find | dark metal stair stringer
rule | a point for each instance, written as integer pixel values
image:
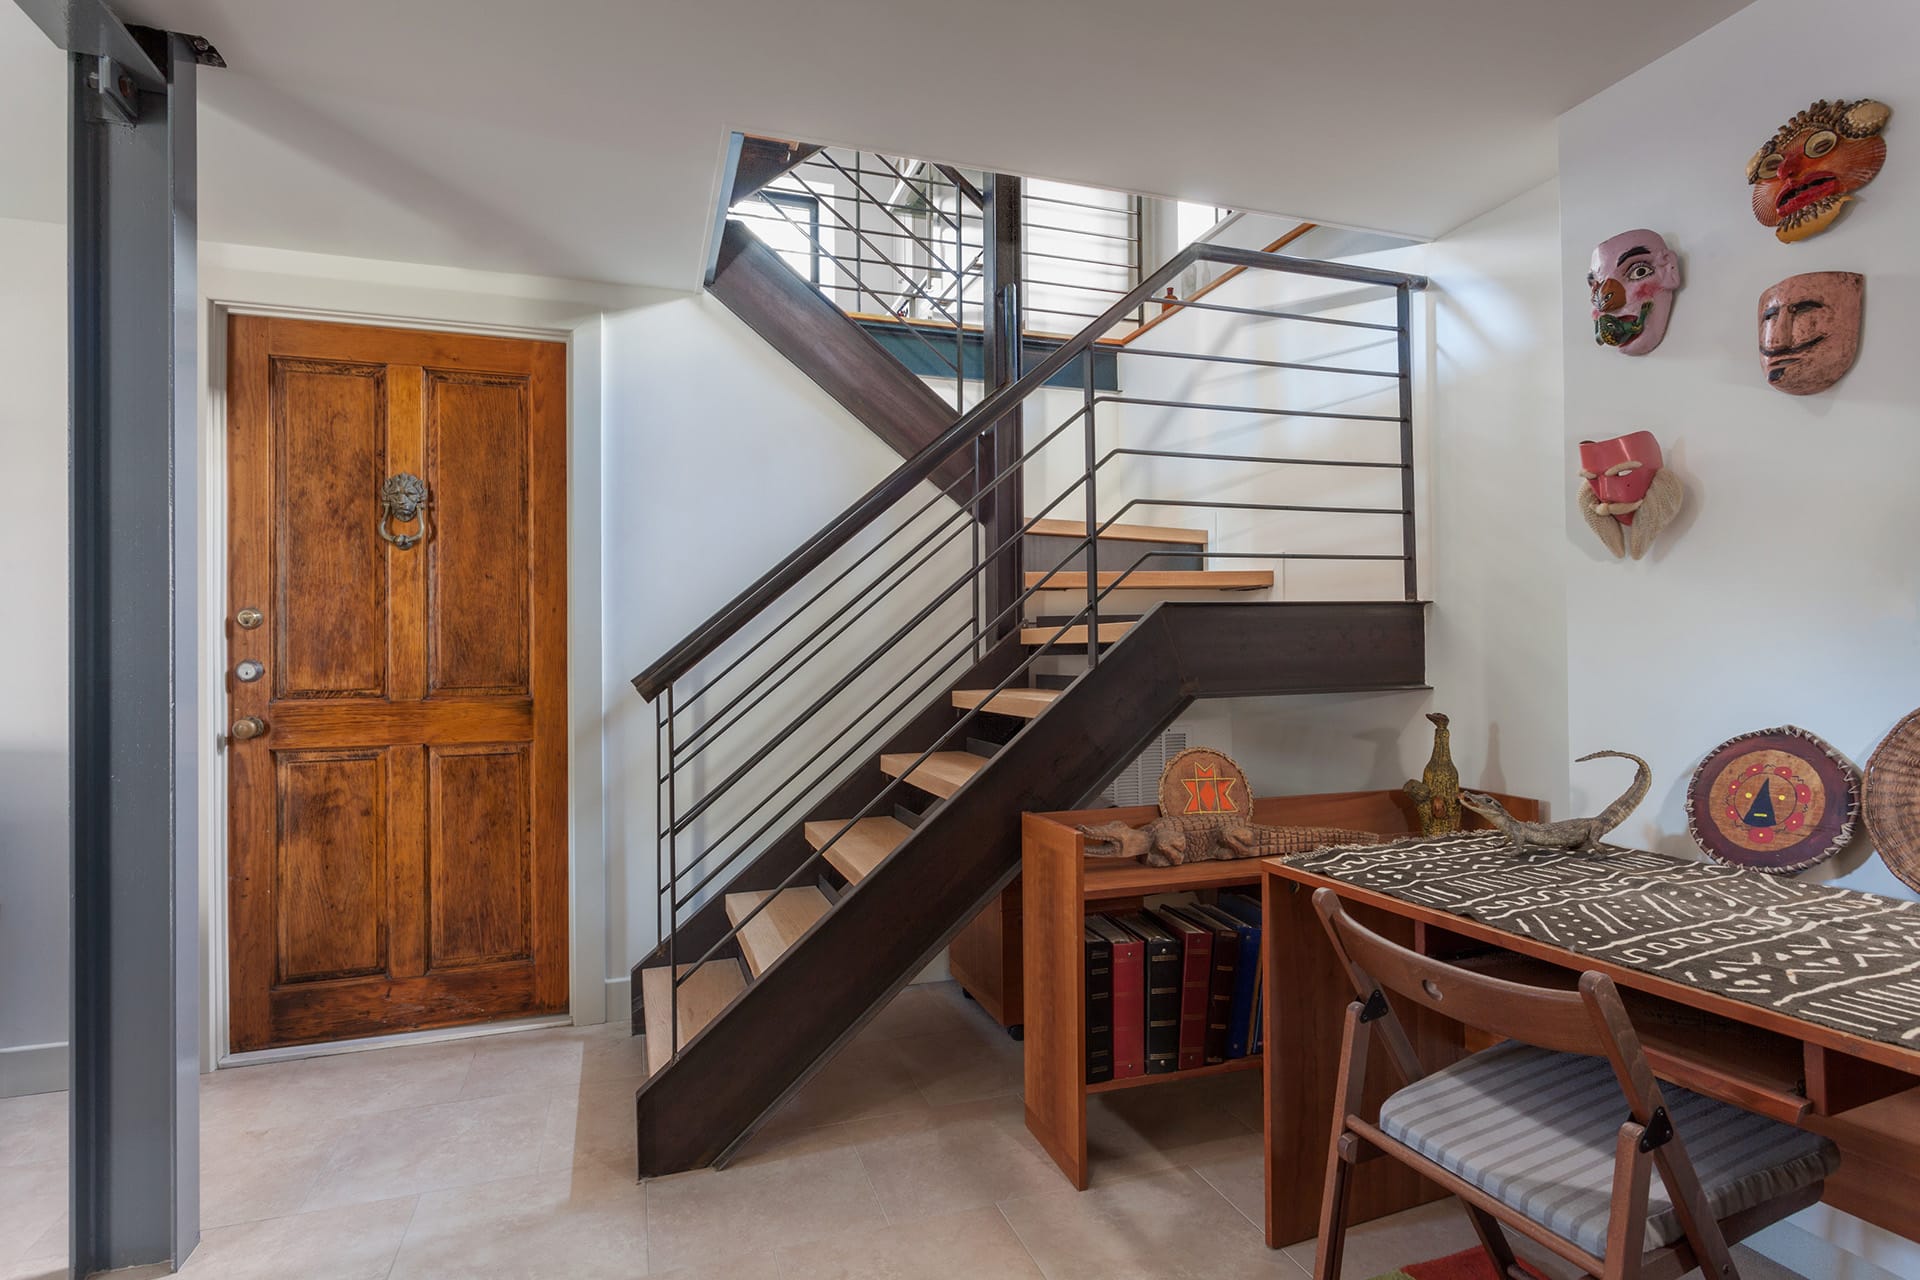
(787, 1023)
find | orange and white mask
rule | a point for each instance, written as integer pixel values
(1627, 495)
(1808, 171)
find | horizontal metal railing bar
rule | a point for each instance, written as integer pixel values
(1127, 209)
(1175, 304)
(1250, 457)
(1128, 236)
(1247, 408)
(864, 510)
(815, 161)
(1068, 257)
(1263, 364)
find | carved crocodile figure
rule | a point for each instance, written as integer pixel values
(1581, 834)
(1177, 839)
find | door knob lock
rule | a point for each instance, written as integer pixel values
(249, 618)
(247, 727)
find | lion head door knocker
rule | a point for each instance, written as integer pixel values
(1631, 278)
(1626, 492)
(401, 498)
(1808, 171)
(1810, 330)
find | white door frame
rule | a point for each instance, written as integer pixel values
(586, 845)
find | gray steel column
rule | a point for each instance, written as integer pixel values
(131, 244)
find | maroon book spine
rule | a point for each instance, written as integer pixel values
(1129, 1008)
(1196, 989)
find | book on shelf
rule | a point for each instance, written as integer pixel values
(1246, 908)
(1099, 1006)
(1246, 976)
(1163, 954)
(1196, 983)
(1225, 963)
(1129, 957)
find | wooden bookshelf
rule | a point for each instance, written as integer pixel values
(1061, 886)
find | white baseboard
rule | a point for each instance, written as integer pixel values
(33, 1068)
(619, 999)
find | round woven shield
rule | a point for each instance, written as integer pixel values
(1202, 780)
(1893, 799)
(1778, 800)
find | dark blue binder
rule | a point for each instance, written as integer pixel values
(1246, 976)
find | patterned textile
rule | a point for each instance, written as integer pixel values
(1837, 957)
(1536, 1129)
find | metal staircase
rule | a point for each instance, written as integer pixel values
(1000, 626)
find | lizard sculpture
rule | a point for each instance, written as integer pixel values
(1210, 837)
(1581, 834)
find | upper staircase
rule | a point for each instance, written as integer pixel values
(1000, 626)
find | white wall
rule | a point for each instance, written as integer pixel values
(1788, 592)
(1486, 412)
(33, 658)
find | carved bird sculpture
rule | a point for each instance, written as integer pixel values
(1437, 789)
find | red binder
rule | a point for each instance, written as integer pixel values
(1129, 997)
(1196, 985)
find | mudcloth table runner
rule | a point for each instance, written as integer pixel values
(1838, 957)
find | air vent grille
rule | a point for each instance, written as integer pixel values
(1139, 782)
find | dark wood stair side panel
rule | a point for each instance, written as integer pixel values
(764, 159)
(873, 942)
(860, 784)
(889, 925)
(1245, 650)
(845, 361)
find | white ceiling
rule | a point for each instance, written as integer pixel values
(583, 138)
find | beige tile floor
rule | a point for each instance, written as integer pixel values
(512, 1156)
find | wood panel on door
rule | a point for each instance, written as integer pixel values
(398, 844)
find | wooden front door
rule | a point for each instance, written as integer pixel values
(398, 848)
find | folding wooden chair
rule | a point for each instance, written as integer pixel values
(1557, 1132)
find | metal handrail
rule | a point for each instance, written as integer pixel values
(814, 552)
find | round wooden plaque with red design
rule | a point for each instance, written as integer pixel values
(1202, 780)
(1778, 800)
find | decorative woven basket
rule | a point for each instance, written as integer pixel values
(1893, 799)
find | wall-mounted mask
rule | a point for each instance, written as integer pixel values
(1626, 493)
(1631, 279)
(1810, 168)
(1810, 330)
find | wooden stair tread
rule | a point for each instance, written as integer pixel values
(702, 997)
(1109, 632)
(1161, 580)
(778, 926)
(1121, 532)
(940, 774)
(1025, 703)
(860, 850)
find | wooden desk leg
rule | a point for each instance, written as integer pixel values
(1305, 996)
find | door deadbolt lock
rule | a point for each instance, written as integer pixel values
(248, 670)
(247, 727)
(249, 618)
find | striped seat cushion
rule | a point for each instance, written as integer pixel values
(1536, 1131)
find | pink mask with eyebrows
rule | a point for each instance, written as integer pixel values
(1631, 279)
(1626, 492)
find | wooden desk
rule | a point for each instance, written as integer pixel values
(1862, 1093)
